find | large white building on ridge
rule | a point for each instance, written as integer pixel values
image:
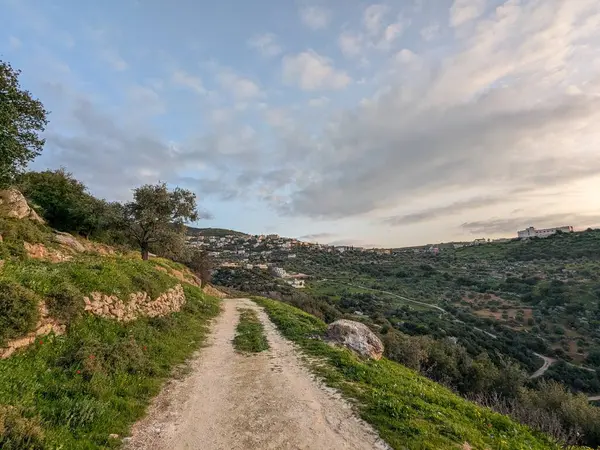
(544, 232)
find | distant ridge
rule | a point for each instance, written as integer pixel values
(216, 232)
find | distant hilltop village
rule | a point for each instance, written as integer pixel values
(231, 249)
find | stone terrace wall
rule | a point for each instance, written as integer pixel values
(139, 305)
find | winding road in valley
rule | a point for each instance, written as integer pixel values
(545, 366)
(547, 361)
(261, 401)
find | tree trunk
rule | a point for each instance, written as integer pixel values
(145, 252)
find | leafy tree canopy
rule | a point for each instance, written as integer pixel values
(22, 118)
(157, 215)
(65, 203)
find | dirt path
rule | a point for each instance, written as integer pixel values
(263, 401)
(545, 366)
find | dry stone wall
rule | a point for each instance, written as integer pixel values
(139, 305)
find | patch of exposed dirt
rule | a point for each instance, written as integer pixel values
(40, 251)
(264, 401)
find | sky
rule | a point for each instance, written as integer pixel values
(348, 122)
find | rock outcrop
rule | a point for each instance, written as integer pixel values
(357, 337)
(13, 205)
(40, 251)
(68, 240)
(139, 305)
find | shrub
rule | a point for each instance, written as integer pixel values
(14, 232)
(18, 310)
(574, 411)
(65, 302)
(18, 432)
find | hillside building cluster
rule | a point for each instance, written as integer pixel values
(543, 232)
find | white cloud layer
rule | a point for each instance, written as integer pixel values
(239, 87)
(266, 44)
(444, 120)
(315, 17)
(463, 11)
(184, 79)
(311, 71)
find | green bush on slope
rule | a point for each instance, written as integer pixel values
(14, 232)
(18, 310)
(408, 410)
(73, 391)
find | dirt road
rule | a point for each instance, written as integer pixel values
(262, 401)
(545, 366)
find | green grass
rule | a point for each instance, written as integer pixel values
(73, 391)
(250, 334)
(107, 274)
(408, 410)
(14, 232)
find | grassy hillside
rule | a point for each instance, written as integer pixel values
(561, 246)
(216, 232)
(408, 410)
(84, 389)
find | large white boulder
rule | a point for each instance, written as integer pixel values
(13, 205)
(357, 337)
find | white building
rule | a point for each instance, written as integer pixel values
(298, 284)
(542, 233)
(278, 272)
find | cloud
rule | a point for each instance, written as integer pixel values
(373, 18)
(351, 44)
(430, 32)
(311, 71)
(502, 103)
(239, 87)
(377, 32)
(266, 44)
(114, 155)
(184, 79)
(113, 59)
(145, 100)
(318, 102)
(14, 43)
(109, 156)
(405, 56)
(317, 237)
(494, 113)
(315, 17)
(513, 224)
(443, 211)
(463, 11)
(204, 214)
(278, 118)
